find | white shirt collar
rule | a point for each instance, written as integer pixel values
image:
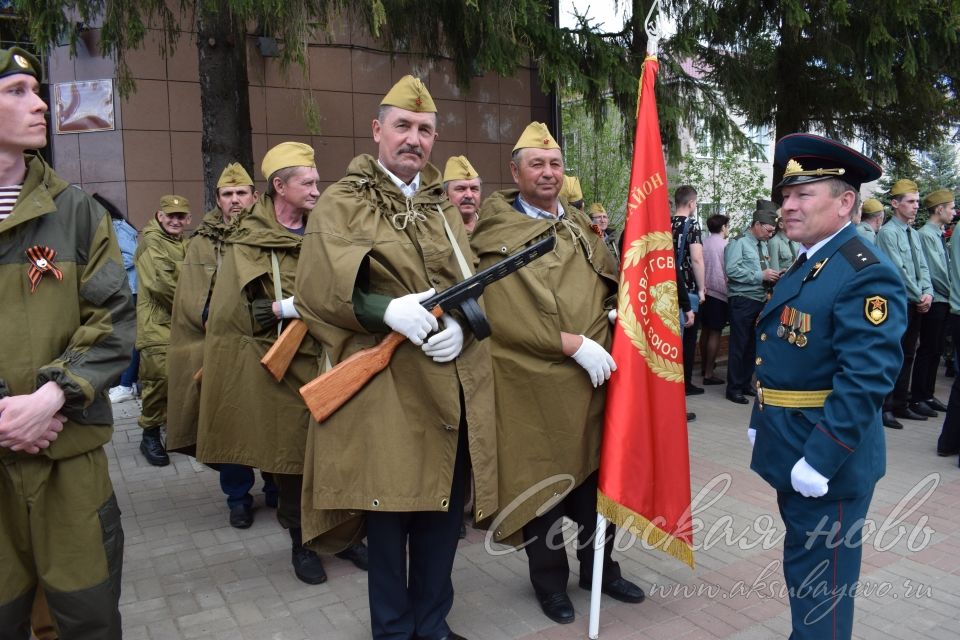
(812, 250)
(409, 190)
(537, 212)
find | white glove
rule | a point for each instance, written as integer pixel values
(595, 360)
(446, 345)
(807, 481)
(751, 435)
(407, 316)
(612, 316)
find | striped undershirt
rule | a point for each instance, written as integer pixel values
(8, 198)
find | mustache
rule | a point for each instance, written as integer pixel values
(410, 149)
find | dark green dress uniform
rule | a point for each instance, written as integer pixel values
(828, 351)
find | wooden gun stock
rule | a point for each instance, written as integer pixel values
(328, 392)
(278, 358)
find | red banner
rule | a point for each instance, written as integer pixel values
(645, 461)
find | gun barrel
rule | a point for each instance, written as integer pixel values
(473, 286)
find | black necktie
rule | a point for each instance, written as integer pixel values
(798, 262)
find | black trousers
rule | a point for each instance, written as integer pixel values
(933, 327)
(549, 570)
(899, 398)
(289, 487)
(743, 342)
(949, 441)
(690, 348)
(406, 606)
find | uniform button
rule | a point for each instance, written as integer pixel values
(448, 427)
(759, 360)
(763, 337)
(376, 502)
(435, 280)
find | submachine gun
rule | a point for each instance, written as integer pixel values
(332, 389)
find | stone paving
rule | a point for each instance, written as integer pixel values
(188, 574)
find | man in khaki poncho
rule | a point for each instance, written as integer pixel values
(198, 274)
(384, 238)
(245, 416)
(550, 339)
(158, 258)
(463, 187)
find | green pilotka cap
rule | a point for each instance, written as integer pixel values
(17, 60)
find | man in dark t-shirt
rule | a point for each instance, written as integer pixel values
(688, 248)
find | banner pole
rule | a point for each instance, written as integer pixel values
(596, 586)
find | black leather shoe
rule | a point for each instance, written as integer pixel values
(307, 565)
(557, 607)
(357, 554)
(691, 416)
(712, 380)
(620, 589)
(750, 391)
(922, 409)
(935, 404)
(890, 422)
(151, 446)
(693, 390)
(908, 414)
(241, 516)
(944, 454)
(449, 636)
(738, 398)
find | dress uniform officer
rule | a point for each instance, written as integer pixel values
(828, 351)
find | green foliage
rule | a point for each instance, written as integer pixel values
(729, 184)
(596, 156)
(881, 71)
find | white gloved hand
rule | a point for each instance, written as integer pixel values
(407, 316)
(446, 345)
(595, 361)
(612, 316)
(751, 435)
(807, 481)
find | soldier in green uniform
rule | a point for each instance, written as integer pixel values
(235, 193)
(464, 188)
(551, 336)
(750, 278)
(68, 326)
(933, 324)
(394, 459)
(870, 219)
(900, 242)
(159, 256)
(783, 250)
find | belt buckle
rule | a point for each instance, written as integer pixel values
(759, 395)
